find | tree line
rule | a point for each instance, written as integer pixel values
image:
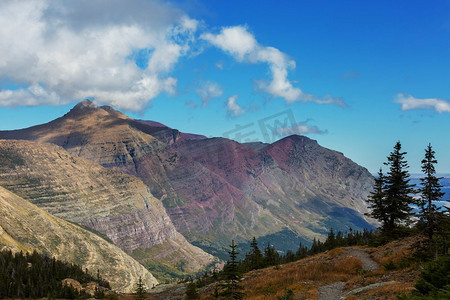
(267, 257)
(34, 275)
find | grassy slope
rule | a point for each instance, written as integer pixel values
(304, 277)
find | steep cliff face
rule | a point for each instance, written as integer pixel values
(292, 183)
(24, 227)
(217, 189)
(117, 205)
(211, 179)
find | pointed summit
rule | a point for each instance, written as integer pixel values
(88, 109)
(85, 104)
(82, 107)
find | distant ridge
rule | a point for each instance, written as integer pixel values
(216, 189)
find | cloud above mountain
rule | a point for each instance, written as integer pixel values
(208, 90)
(233, 108)
(60, 51)
(119, 53)
(238, 42)
(299, 128)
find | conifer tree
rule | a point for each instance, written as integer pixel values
(271, 256)
(430, 191)
(141, 290)
(233, 289)
(302, 251)
(254, 259)
(330, 243)
(377, 201)
(397, 189)
(191, 292)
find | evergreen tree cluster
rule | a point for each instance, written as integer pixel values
(33, 275)
(391, 204)
(256, 259)
(336, 240)
(391, 201)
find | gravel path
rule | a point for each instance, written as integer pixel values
(368, 264)
(334, 291)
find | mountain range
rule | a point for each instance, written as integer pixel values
(167, 198)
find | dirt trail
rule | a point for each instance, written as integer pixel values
(368, 264)
(334, 291)
(331, 291)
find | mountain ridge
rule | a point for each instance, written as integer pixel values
(216, 189)
(117, 205)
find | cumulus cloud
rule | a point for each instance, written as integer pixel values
(66, 50)
(209, 90)
(299, 128)
(408, 102)
(233, 108)
(120, 53)
(238, 42)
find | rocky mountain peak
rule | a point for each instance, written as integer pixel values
(216, 189)
(85, 105)
(297, 139)
(90, 114)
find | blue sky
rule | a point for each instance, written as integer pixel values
(354, 75)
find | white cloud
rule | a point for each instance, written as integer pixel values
(242, 45)
(408, 102)
(31, 96)
(236, 40)
(299, 128)
(61, 51)
(209, 90)
(233, 108)
(66, 50)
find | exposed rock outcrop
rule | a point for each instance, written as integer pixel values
(24, 226)
(117, 205)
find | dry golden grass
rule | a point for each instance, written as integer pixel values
(395, 251)
(305, 276)
(301, 277)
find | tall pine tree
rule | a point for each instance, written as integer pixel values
(430, 191)
(377, 201)
(233, 290)
(254, 259)
(398, 190)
